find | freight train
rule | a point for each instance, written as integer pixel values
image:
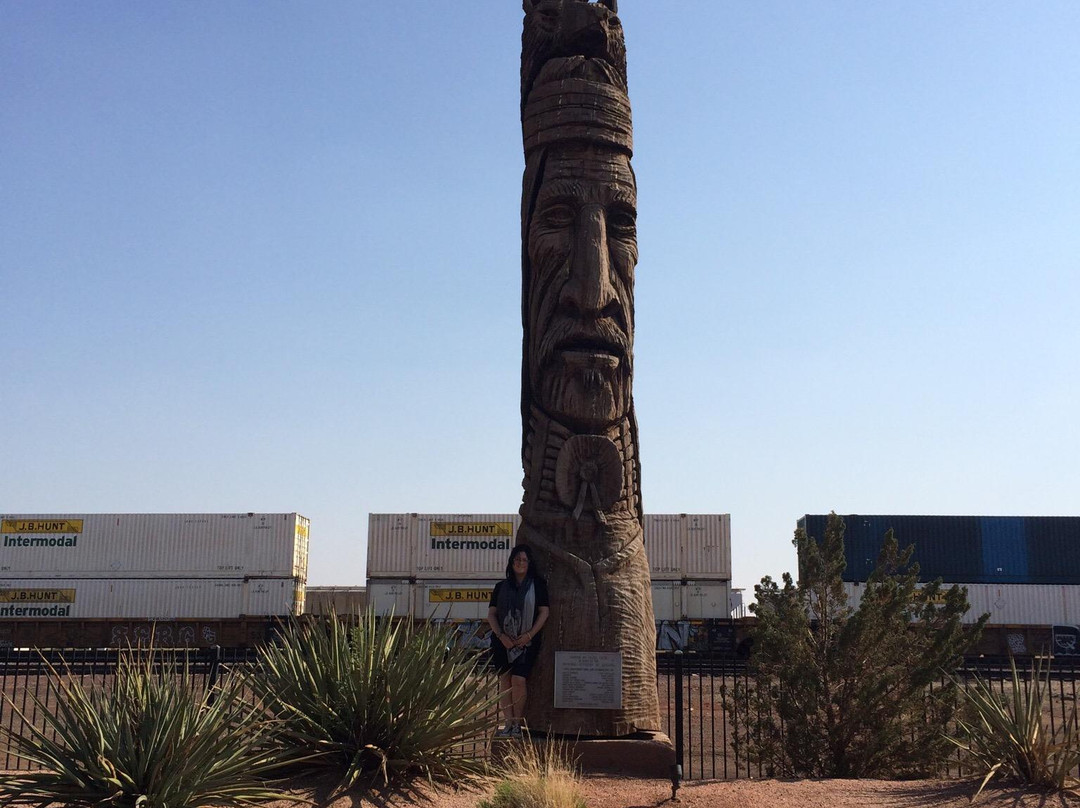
(1024, 571)
(229, 579)
(444, 566)
(466, 609)
(95, 580)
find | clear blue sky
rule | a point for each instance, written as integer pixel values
(264, 256)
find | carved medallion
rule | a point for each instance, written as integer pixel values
(589, 474)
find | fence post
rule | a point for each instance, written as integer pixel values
(212, 679)
(677, 770)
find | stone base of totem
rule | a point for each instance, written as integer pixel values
(649, 755)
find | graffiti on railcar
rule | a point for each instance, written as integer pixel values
(1017, 643)
(673, 635)
(164, 635)
(704, 636)
(473, 634)
(1066, 640)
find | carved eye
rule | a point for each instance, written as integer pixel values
(622, 222)
(558, 215)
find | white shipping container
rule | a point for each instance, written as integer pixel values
(693, 600)
(472, 546)
(475, 546)
(1012, 604)
(707, 551)
(667, 600)
(149, 598)
(467, 599)
(706, 599)
(693, 546)
(453, 600)
(160, 545)
(391, 545)
(339, 599)
(440, 546)
(388, 597)
(663, 536)
(738, 606)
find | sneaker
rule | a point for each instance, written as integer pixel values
(504, 732)
(515, 731)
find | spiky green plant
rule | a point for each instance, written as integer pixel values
(537, 775)
(1005, 734)
(385, 698)
(150, 738)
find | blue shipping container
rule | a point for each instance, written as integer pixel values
(965, 549)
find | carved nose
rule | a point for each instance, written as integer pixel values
(589, 290)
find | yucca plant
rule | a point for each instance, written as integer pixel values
(1004, 735)
(537, 775)
(149, 737)
(386, 698)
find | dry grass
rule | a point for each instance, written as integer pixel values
(537, 775)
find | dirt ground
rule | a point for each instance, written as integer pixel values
(625, 792)
(614, 792)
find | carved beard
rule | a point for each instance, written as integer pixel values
(585, 389)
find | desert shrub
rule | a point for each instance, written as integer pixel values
(384, 698)
(1004, 735)
(151, 737)
(837, 691)
(537, 775)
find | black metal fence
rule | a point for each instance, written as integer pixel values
(28, 688)
(696, 697)
(697, 702)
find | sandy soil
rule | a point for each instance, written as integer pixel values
(624, 792)
(612, 792)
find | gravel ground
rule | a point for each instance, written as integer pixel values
(615, 792)
(624, 792)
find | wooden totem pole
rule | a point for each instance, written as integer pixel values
(581, 512)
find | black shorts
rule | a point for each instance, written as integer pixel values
(522, 666)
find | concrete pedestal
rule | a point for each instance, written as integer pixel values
(649, 755)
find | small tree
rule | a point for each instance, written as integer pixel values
(837, 691)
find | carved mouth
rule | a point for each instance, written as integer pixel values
(590, 353)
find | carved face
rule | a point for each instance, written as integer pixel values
(582, 250)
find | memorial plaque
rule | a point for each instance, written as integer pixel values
(590, 680)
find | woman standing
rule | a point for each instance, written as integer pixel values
(517, 611)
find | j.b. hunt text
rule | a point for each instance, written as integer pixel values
(469, 544)
(41, 541)
(472, 529)
(55, 610)
(41, 526)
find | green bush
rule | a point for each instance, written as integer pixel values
(1005, 734)
(537, 775)
(150, 738)
(837, 691)
(385, 698)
